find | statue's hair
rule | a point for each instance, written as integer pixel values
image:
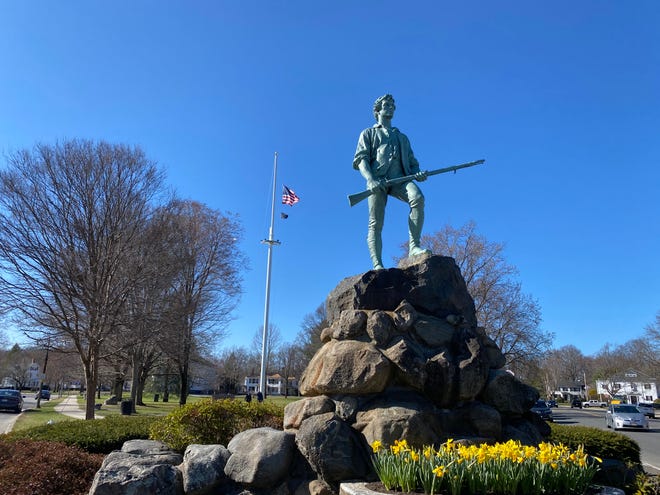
(378, 104)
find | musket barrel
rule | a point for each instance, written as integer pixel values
(354, 199)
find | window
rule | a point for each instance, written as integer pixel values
(647, 386)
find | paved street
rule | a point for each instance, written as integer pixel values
(649, 441)
(7, 420)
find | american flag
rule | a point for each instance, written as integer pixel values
(289, 197)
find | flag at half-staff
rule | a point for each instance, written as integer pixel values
(289, 197)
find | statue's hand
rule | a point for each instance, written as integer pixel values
(375, 185)
(420, 176)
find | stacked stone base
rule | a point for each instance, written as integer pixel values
(402, 358)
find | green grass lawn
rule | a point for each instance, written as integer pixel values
(39, 417)
(161, 408)
(150, 407)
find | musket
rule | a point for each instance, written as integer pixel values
(354, 199)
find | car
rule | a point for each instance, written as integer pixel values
(620, 416)
(646, 409)
(11, 399)
(45, 395)
(542, 409)
(551, 403)
(576, 403)
(594, 403)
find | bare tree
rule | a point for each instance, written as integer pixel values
(510, 317)
(233, 366)
(17, 366)
(566, 365)
(207, 281)
(273, 344)
(309, 336)
(70, 216)
(148, 307)
(649, 349)
(289, 361)
(609, 363)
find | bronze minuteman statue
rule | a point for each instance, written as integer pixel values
(383, 153)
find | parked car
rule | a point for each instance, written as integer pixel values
(11, 399)
(551, 403)
(542, 409)
(594, 403)
(646, 409)
(576, 403)
(625, 416)
(45, 395)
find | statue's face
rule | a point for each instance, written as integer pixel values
(387, 109)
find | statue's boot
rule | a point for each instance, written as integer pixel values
(375, 244)
(417, 250)
(415, 224)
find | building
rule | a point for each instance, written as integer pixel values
(630, 386)
(275, 385)
(569, 391)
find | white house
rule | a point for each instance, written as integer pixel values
(570, 391)
(275, 385)
(631, 386)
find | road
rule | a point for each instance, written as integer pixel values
(649, 441)
(7, 418)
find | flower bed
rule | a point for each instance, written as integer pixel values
(501, 469)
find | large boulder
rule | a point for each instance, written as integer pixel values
(345, 366)
(432, 285)
(297, 412)
(260, 457)
(203, 468)
(124, 473)
(399, 421)
(409, 362)
(508, 395)
(333, 449)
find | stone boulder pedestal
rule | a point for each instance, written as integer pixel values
(402, 358)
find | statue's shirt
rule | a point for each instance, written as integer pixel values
(387, 151)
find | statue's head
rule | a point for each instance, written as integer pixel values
(378, 104)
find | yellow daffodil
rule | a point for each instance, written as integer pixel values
(439, 471)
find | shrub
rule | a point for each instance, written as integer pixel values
(45, 468)
(598, 443)
(214, 422)
(99, 436)
(646, 484)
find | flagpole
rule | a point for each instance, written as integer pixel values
(270, 242)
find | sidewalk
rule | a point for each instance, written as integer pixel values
(69, 407)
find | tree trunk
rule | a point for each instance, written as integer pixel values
(118, 387)
(144, 375)
(91, 381)
(183, 390)
(166, 391)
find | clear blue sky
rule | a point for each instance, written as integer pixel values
(561, 98)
